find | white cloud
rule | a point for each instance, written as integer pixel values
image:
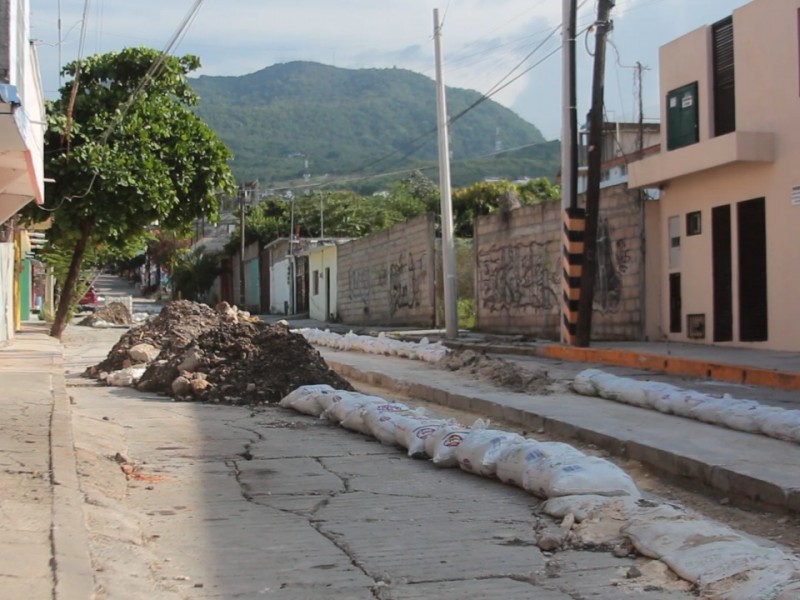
(482, 39)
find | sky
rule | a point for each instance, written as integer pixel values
(485, 43)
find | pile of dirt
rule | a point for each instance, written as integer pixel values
(115, 313)
(499, 371)
(195, 352)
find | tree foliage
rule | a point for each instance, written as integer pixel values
(126, 151)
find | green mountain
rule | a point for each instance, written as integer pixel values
(358, 122)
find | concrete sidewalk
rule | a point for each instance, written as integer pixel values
(745, 468)
(45, 552)
(741, 366)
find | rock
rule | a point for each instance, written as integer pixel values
(191, 360)
(181, 386)
(144, 353)
(633, 573)
(623, 549)
(199, 387)
(549, 541)
(251, 387)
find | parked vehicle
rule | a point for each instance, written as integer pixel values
(90, 299)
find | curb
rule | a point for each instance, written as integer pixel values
(736, 485)
(672, 365)
(72, 564)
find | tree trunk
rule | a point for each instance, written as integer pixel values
(67, 293)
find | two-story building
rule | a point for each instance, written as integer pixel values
(21, 155)
(729, 218)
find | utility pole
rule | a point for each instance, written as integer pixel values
(448, 244)
(586, 301)
(242, 193)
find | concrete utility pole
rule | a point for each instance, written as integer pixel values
(586, 301)
(242, 193)
(448, 243)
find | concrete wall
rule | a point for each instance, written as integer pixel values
(519, 269)
(388, 278)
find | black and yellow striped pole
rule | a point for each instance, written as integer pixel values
(573, 247)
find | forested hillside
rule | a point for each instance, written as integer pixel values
(358, 122)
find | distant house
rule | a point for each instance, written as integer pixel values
(729, 212)
(323, 277)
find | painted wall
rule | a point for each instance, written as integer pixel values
(281, 300)
(318, 260)
(388, 278)
(519, 269)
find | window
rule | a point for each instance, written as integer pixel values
(724, 80)
(682, 117)
(693, 223)
(316, 282)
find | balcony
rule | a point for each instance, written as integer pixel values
(735, 147)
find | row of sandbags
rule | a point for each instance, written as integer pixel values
(546, 469)
(724, 564)
(742, 415)
(423, 350)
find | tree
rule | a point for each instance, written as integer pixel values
(482, 199)
(126, 151)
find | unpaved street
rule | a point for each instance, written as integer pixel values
(189, 500)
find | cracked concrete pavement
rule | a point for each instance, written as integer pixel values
(205, 501)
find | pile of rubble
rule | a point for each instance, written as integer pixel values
(113, 313)
(192, 352)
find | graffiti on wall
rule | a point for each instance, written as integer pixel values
(521, 275)
(359, 286)
(610, 267)
(406, 277)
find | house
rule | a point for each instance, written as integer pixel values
(22, 124)
(323, 277)
(729, 211)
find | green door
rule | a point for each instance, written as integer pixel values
(682, 125)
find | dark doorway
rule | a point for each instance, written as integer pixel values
(722, 266)
(327, 293)
(752, 230)
(675, 302)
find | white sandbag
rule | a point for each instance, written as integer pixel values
(412, 433)
(304, 399)
(710, 410)
(536, 474)
(342, 404)
(681, 402)
(125, 377)
(380, 422)
(780, 424)
(622, 389)
(513, 461)
(579, 475)
(742, 415)
(584, 382)
(479, 452)
(708, 563)
(776, 582)
(441, 445)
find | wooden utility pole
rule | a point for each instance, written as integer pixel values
(586, 301)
